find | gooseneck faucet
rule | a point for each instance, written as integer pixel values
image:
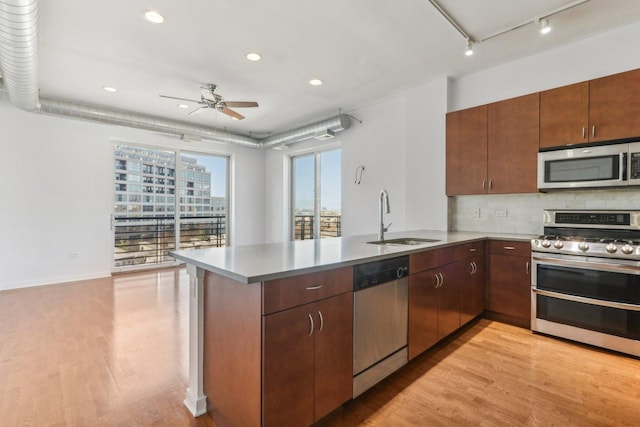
(384, 207)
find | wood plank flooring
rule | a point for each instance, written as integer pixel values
(112, 352)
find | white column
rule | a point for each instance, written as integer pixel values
(196, 401)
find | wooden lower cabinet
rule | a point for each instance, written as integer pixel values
(307, 365)
(509, 291)
(472, 288)
(444, 297)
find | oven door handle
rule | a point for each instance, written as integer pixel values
(613, 267)
(575, 298)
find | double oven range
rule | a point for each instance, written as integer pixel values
(586, 278)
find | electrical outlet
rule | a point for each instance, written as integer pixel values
(501, 213)
(476, 213)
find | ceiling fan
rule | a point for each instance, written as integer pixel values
(210, 99)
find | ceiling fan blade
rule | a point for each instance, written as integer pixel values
(231, 113)
(240, 104)
(180, 99)
(197, 110)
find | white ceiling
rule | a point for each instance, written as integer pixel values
(364, 50)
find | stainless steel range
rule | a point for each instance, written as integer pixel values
(586, 278)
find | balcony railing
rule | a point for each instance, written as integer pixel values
(148, 239)
(330, 226)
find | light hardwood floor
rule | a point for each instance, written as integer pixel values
(113, 352)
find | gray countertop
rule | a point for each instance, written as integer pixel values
(256, 263)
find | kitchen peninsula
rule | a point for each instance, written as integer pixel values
(243, 301)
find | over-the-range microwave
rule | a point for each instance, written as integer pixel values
(612, 165)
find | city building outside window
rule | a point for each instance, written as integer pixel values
(149, 221)
(316, 195)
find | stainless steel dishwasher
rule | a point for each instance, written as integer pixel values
(380, 316)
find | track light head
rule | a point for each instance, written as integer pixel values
(469, 50)
(545, 28)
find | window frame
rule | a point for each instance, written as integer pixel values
(316, 152)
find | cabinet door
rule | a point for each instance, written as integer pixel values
(288, 368)
(466, 167)
(423, 312)
(472, 289)
(513, 143)
(614, 106)
(564, 115)
(510, 286)
(334, 353)
(449, 298)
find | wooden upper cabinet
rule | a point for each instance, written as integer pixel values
(564, 116)
(466, 166)
(614, 107)
(513, 141)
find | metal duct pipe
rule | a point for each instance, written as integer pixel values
(335, 124)
(142, 121)
(19, 51)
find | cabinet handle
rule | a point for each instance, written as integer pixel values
(441, 279)
(527, 268)
(311, 322)
(509, 248)
(584, 132)
(435, 275)
(321, 321)
(313, 288)
(483, 184)
(472, 250)
(490, 184)
(593, 131)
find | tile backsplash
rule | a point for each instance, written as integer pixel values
(522, 213)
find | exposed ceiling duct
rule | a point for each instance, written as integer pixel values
(319, 130)
(142, 121)
(19, 51)
(19, 71)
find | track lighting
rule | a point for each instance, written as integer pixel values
(469, 50)
(545, 28)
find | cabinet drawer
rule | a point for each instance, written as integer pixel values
(508, 247)
(281, 294)
(436, 257)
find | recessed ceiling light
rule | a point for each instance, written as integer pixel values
(280, 147)
(315, 82)
(153, 16)
(253, 56)
(183, 106)
(109, 89)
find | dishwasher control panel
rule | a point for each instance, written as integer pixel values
(379, 272)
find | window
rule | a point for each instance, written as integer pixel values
(148, 224)
(316, 195)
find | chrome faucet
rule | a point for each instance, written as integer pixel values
(384, 207)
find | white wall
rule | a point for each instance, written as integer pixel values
(56, 187)
(401, 145)
(607, 53)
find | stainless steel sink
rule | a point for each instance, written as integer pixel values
(412, 241)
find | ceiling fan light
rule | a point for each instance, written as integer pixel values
(545, 28)
(153, 16)
(183, 106)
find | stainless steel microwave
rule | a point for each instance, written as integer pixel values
(614, 165)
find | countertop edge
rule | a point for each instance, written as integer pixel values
(284, 273)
